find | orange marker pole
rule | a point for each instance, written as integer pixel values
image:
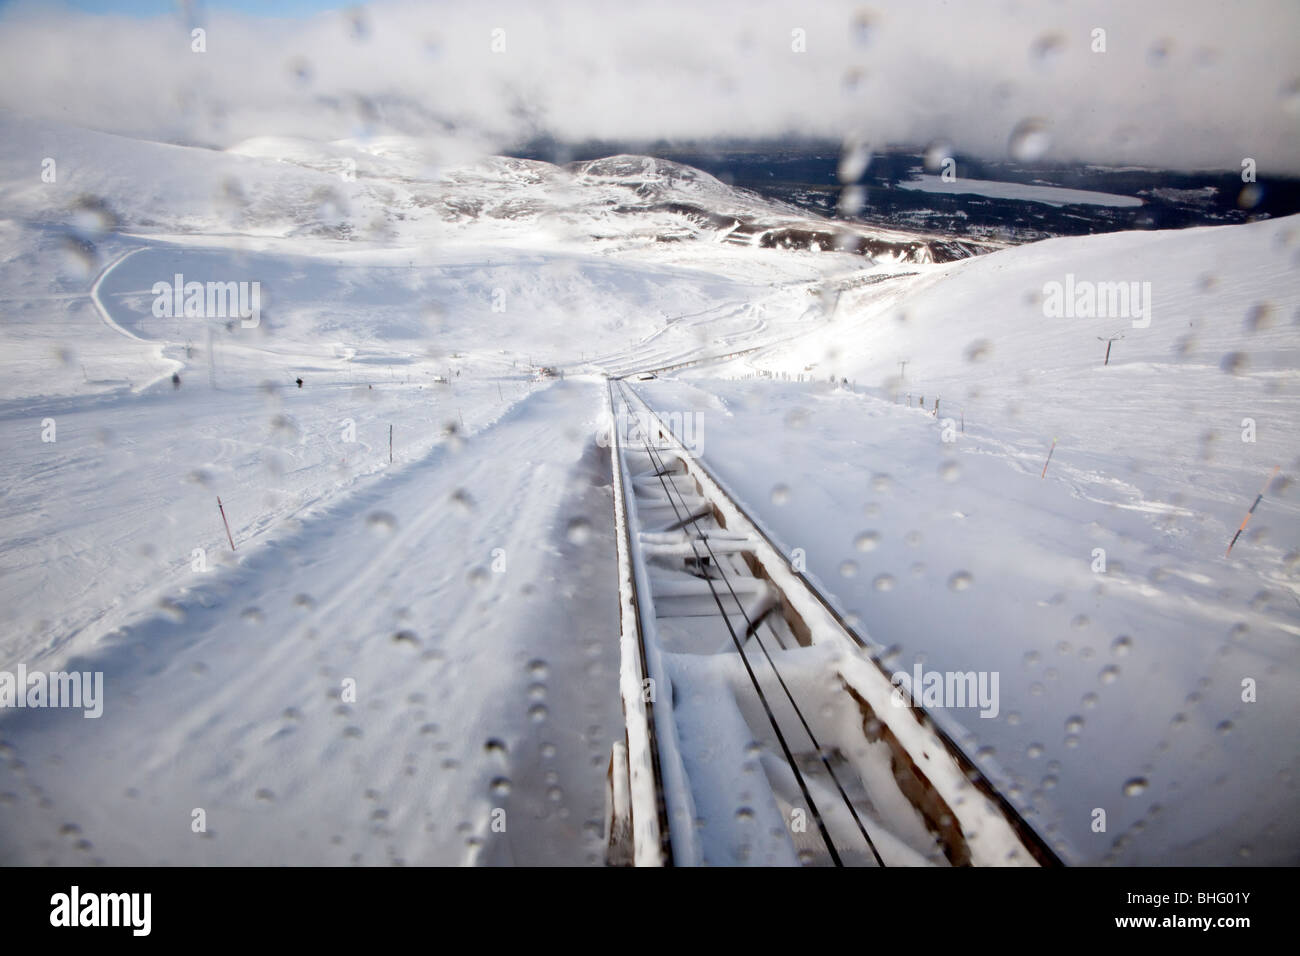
(1049, 459)
(226, 523)
(1258, 498)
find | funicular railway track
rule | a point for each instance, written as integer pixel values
(760, 730)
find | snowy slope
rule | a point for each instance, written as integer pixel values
(1121, 686)
(417, 288)
(471, 560)
(232, 696)
(1221, 347)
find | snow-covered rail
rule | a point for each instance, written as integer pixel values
(760, 731)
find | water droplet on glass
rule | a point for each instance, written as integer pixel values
(1135, 786)
(852, 201)
(80, 258)
(381, 522)
(93, 218)
(172, 609)
(855, 156)
(300, 69)
(960, 581)
(1258, 317)
(578, 531)
(936, 153)
(864, 27)
(357, 22)
(1047, 49)
(883, 582)
(1233, 363)
(1029, 140)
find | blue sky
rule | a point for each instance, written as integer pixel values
(153, 8)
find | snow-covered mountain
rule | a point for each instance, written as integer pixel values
(403, 189)
(463, 586)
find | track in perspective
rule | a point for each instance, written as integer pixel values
(759, 728)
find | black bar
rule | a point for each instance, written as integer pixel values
(910, 907)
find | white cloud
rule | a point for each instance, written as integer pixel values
(1187, 83)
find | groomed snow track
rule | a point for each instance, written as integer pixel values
(759, 728)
